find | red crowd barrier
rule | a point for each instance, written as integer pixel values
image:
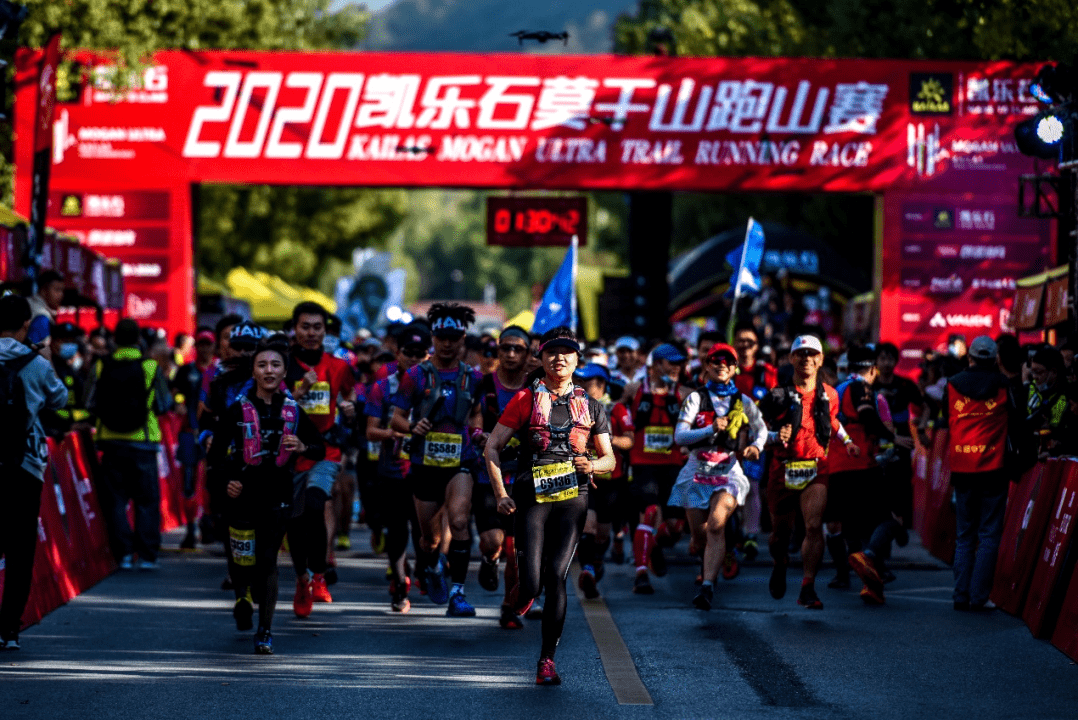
(73, 552)
(1029, 506)
(1046, 587)
(938, 527)
(921, 459)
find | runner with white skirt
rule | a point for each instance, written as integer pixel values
(717, 423)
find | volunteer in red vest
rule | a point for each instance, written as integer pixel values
(437, 404)
(755, 378)
(976, 409)
(265, 432)
(322, 385)
(715, 421)
(802, 417)
(857, 502)
(555, 471)
(654, 404)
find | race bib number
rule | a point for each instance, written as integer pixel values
(799, 473)
(317, 399)
(555, 482)
(406, 449)
(443, 450)
(658, 439)
(374, 450)
(243, 546)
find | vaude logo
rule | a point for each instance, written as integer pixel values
(939, 320)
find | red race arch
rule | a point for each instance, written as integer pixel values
(934, 138)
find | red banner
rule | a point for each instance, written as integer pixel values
(941, 129)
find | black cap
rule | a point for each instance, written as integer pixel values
(414, 334)
(66, 331)
(861, 356)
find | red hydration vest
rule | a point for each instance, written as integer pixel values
(252, 432)
(654, 418)
(539, 425)
(840, 460)
(978, 435)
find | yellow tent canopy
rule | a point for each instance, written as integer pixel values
(271, 298)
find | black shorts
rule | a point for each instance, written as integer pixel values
(603, 499)
(485, 509)
(858, 500)
(651, 484)
(429, 483)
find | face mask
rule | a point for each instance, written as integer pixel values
(331, 343)
(953, 349)
(68, 350)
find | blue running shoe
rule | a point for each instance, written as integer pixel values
(437, 585)
(263, 642)
(459, 606)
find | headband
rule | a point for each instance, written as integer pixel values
(515, 332)
(447, 324)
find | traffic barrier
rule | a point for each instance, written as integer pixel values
(1048, 584)
(1065, 636)
(1029, 506)
(938, 533)
(92, 560)
(170, 473)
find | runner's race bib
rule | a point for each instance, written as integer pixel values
(406, 449)
(658, 439)
(799, 473)
(443, 450)
(555, 482)
(243, 546)
(374, 450)
(714, 468)
(316, 401)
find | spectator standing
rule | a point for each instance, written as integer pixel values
(65, 348)
(976, 407)
(126, 393)
(28, 385)
(43, 307)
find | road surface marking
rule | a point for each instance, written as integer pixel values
(617, 662)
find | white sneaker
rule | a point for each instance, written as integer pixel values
(148, 565)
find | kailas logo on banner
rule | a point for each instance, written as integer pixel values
(931, 93)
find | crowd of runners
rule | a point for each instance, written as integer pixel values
(535, 450)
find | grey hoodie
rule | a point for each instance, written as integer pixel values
(44, 390)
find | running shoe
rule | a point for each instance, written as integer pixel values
(243, 611)
(808, 598)
(331, 575)
(344, 542)
(263, 642)
(730, 566)
(459, 606)
(703, 599)
(871, 595)
(986, 606)
(545, 674)
(398, 591)
(10, 644)
(535, 612)
(587, 583)
(865, 568)
(657, 561)
(437, 585)
(127, 562)
(303, 603)
(147, 565)
(188, 542)
(617, 551)
(319, 591)
(378, 541)
(488, 573)
(841, 582)
(777, 584)
(642, 585)
(509, 619)
(751, 549)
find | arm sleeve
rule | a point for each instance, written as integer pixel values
(756, 423)
(684, 432)
(309, 436)
(518, 412)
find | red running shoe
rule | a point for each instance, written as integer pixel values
(319, 591)
(808, 598)
(510, 620)
(730, 566)
(545, 674)
(303, 603)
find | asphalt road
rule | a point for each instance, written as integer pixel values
(149, 645)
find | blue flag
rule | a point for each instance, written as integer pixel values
(559, 300)
(745, 260)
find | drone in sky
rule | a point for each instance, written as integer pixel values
(542, 36)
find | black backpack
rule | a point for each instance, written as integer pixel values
(14, 413)
(121, 398)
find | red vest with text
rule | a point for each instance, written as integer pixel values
(978, 434)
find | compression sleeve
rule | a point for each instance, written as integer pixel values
(684, 432)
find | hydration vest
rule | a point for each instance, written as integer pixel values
(434, 398)
(859, 435)
(542, 433)
(788, 402)
(252, 432)
(705, 416)
(642, 416)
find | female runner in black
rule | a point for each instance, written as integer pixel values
(550, 492)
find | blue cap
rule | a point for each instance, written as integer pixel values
(668, 352)
(592, 370)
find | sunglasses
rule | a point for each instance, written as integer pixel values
(449, 336)
(415, 353)
(719, 361)
(511, 349)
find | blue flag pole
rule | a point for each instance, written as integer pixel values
(737, 284)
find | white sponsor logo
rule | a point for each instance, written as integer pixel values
(999, 96)
(103, 206)
(993, 284)
(110, 238)
(939, 320)
(140, 308)
(151, 88)
(504, 103)
(947, 251)
(983, 252)
(912, 354)
(142, 270)
(976, 220)
(911, 317)
(951, 284)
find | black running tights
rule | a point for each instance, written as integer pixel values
(546, 538)
(307, 539)
(261, 577)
